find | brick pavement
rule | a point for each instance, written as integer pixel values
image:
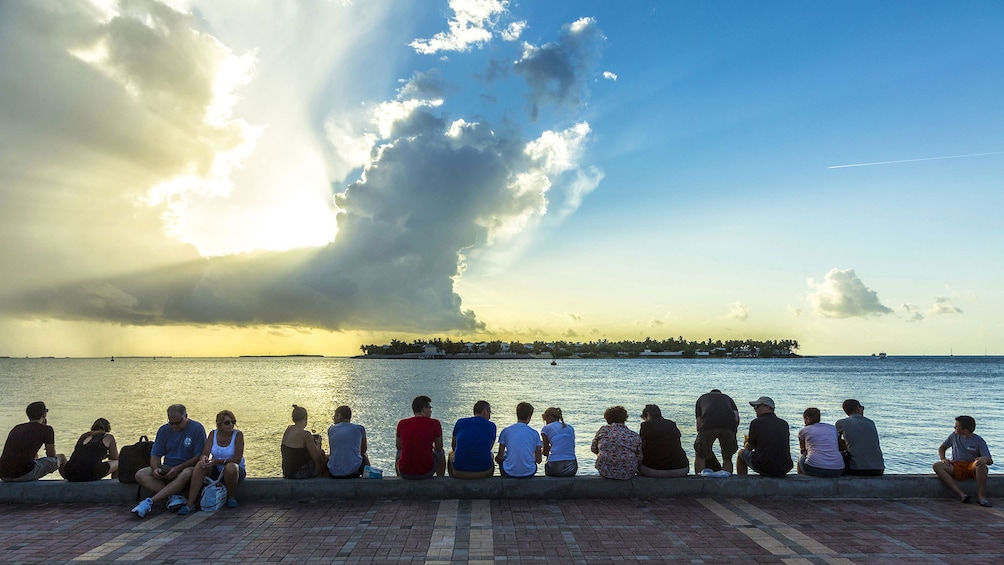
(704, 530)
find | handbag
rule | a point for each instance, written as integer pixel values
(214, 494)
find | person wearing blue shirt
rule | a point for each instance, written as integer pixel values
(520, 446)
(473, 440)
(175, 452)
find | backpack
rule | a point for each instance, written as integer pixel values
(134, 457)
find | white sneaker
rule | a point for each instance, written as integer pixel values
(143, 508)
(175, 502)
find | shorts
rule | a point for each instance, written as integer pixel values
(355, 474)
(469, 475)
(437, 456)
(218, 469)
(43, 467)
(566, 468)
(814, 471)
(663, 473)
(964, 470)
(706, 440)
(747, 456)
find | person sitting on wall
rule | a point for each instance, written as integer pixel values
(859, 442)
(95, 455)
(558, 445)
(472, 443)
(347, 442)
(223, 456)
(662, 455)
(767, 449)
(817, 444)
(419, 442)
(176, 449)
(617, 447)
(520, 447)
(302, 457)
(20, 461)
(970, 460)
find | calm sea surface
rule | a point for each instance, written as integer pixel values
(913, 400)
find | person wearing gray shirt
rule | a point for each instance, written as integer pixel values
(347, 443)
(859, 442)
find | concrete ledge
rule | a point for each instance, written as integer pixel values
(593, 487)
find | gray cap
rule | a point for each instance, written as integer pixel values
(765, 400)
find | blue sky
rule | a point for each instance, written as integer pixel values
(215, 178)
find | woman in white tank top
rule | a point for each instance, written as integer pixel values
(223, 454)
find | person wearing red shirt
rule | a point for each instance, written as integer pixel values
(420, 443)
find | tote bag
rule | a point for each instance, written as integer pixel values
(214, 494)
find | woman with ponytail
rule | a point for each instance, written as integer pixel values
(559, 445)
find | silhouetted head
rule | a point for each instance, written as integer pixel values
(344, 412)
(101, 425)
(651, 411)
(553, 414)
(851, 406)
(811, 416)
(36, 410)
(524, 411)
(966, 423)
(480, 406)
(615, 415)
(299, 414)
(420, 404)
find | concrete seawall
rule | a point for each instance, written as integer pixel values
(495, 488)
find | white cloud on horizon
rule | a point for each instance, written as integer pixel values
(944, 306)
(739, 311)
(842, 294)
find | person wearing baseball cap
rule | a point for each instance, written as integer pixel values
(767, 449)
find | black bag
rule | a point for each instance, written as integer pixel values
(134, 457)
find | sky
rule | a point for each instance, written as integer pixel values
(237, 177)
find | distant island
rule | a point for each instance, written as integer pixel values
(439, 348)
(289, 355)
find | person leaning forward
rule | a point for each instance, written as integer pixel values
(859, 442)
(420, 443)
(768, 446)
(717, 419)
(176, 449)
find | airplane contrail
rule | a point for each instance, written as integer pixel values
(915, 160)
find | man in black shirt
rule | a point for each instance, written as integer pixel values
(717, 419)
(768, 446)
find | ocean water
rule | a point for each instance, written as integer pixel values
(913, 400)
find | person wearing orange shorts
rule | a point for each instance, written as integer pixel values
(970, 460)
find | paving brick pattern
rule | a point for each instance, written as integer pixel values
(791, 531)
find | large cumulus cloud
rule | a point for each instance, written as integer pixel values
(115, 119)
(842, 294)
